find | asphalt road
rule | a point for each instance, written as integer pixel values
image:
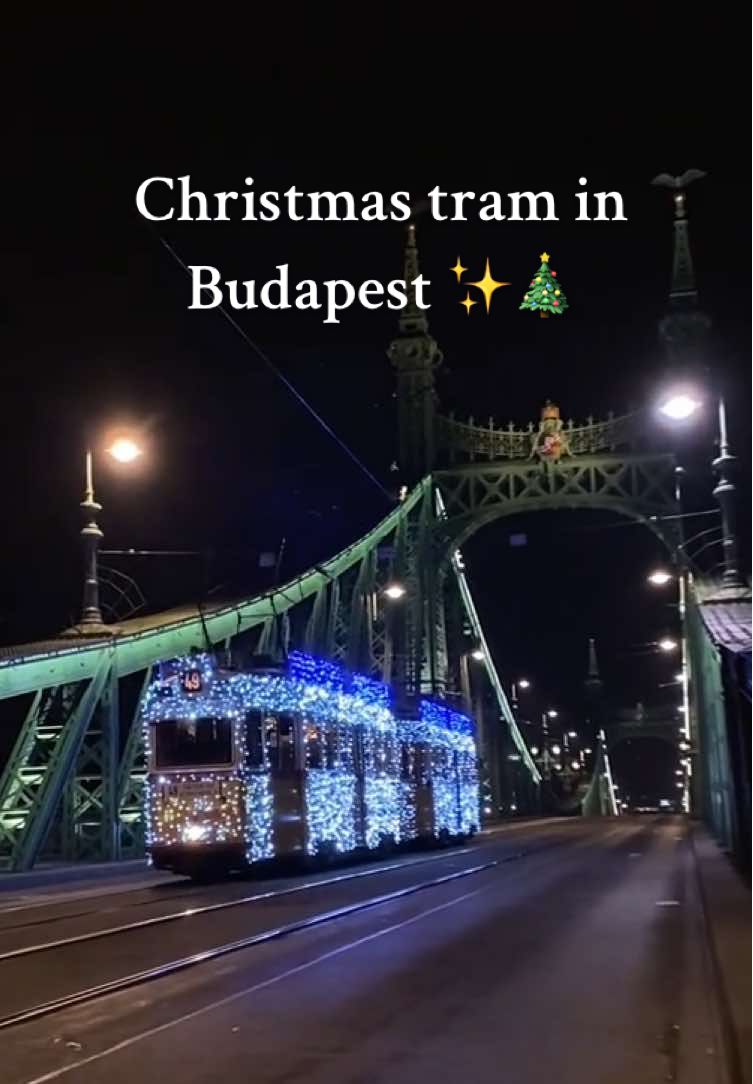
(565, 952)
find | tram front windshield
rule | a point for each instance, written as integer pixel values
(189, 743)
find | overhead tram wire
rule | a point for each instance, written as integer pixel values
(300, 398)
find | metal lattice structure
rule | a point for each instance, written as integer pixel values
(74, 776)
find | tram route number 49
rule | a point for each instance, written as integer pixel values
(191, 681)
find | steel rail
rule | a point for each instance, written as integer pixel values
(192, 912)
(126, 982)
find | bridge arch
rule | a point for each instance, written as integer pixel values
(641, 487)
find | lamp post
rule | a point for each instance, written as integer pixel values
(680, 407)
(724, 491)
(91, 623)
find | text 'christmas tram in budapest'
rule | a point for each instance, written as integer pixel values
(302, 759)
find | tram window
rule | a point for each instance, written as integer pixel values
(343, 738)
(189, 743)
(256, 727)
(280, 736)
(314, 740)
(331, 744)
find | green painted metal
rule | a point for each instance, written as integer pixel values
(48, 752)
(639, 486)
(142, 642)
(131, 781)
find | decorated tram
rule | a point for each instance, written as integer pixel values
(303, 759)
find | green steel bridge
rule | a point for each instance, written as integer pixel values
(72, 784)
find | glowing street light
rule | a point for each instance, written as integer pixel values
(659, 577)
(394, 590)
(552, 713)
(91, 622)
(679, 407)
(572, 733)
(524, 683)
(125, 450)
(478, 654)
(667, 644)
(556, 750)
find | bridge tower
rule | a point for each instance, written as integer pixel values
(416, 356)
(593, 688)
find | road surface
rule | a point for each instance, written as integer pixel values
(569, 952)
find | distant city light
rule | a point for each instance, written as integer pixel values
(552, 713)
(588, 751)
(534, 749)
(572, 734)
(660, 577)
(556, 750)
(667, 644)
(524, 683)
(478, 655)
(575, 765)
(395, 590)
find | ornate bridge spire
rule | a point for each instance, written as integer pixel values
(684, 326)
(412, 318)
(593, 681)
(415, 355)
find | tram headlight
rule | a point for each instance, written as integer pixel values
(192, 833)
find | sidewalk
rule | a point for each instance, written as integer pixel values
(727, 906)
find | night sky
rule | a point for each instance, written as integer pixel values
(97, 331)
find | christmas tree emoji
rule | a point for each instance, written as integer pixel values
(545, 294)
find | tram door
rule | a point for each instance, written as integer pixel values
(284, 751)
(424, 792)
(360, 768)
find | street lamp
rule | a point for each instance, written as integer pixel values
(552, 714)
(667, 644)
(679, 407)
(124, 450)
(478, 654)
(524, 683)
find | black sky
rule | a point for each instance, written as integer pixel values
(96, 327)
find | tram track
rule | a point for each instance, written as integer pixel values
(163, 894)
(144, 955)
(192, 912)
(170, 967)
